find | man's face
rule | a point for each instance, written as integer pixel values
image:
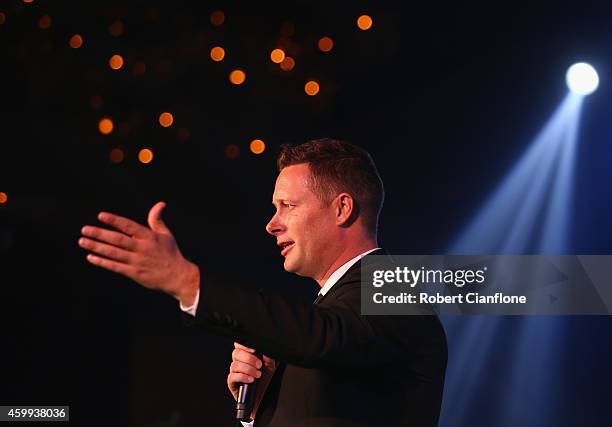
(304, 228)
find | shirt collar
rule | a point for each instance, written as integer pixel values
(336, 275)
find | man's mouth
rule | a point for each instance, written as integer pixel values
(286, 247)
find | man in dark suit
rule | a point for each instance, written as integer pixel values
(325, 364)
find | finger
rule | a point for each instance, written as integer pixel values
(109, 236)
(107, 251)
(129, 227)
(155, 221)
(108, 264)
(267, 359)
(244, 368)
(243, 356)
(242, 347)
(269, 362)
(234, 378)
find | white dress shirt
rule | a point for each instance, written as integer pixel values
(329, 283)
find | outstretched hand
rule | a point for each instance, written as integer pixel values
(148, 255)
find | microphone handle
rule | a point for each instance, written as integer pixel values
(246, 398)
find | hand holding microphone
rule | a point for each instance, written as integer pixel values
(250, 373)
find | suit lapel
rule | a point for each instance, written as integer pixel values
(270, 397)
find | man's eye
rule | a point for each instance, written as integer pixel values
(288, 205)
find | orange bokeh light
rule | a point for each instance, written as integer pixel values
(287, 64)
(364, 22)
(76, 41)
(166, 119)
(325, 44)
(116, 28)
(28, 1)
(145, 155)
(115, 62)
(311, 88)
(2, 18)
(257, 146)
(105, 126)
(116, 155)
(44, 22)
(277, 56)
(3, 197)
(237, 77)
(217, 53)
(217, 17)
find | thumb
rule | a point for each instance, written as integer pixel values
(155, 221)
(243, 347)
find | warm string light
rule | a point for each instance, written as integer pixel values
(287, 64)
(166, 119)
(115, 62)
(311, 88)
(44, 22)
(325, 44)
(76, 41)
(217, 53)
(105, 126)
(217, 18)
(3, 197)
(237, 77)
(257, 146)
(2, 18)
(364, 22)
(145, 155)
(277, 56)
(116, 155)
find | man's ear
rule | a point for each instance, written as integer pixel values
(344, 209)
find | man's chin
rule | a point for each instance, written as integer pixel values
(291, 267)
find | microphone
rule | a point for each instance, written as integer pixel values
(246, 398)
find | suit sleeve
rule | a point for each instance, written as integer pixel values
(333, 334)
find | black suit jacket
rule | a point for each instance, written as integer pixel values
(338, 368)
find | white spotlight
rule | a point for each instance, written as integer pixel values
(582, 78)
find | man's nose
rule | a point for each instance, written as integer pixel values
(275, 225)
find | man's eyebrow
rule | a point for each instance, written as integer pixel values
(275, 201)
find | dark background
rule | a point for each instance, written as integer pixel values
(445, 96)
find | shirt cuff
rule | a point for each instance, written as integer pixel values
(192, 308)
(249, 424)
